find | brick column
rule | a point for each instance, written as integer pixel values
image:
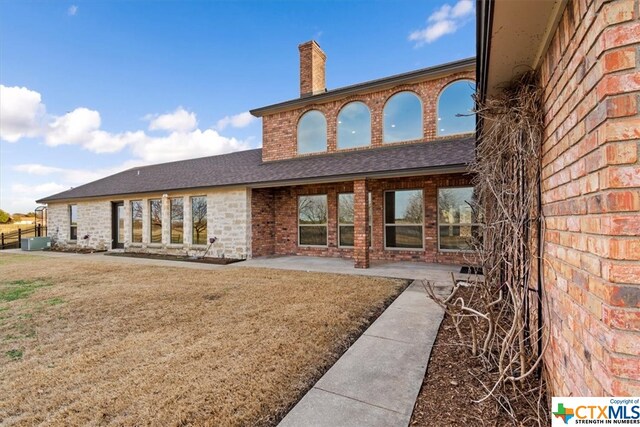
(361, 224)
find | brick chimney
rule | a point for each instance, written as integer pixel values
(312, 60)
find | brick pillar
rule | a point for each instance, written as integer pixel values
(361, 224)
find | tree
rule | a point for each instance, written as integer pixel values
(199, 219)
(4, 217)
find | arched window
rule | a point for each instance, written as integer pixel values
(354, 125)
(456, 99)
(312, 133)
(403, 118)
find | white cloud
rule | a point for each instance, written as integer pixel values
(445, 20)
(179, 146)
(42, 189)
(178, 121)
(73, 10)
(238, 121)
(24, 115)
(21, 113)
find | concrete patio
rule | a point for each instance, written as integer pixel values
(437, 273)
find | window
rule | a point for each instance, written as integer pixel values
(354, 126)
(457, 223)
(73, 222)
(312, 220)
(403, 219)
(136, 221)
(199, 220)
(346, 217)
(455, 108)
(312, 133)
(403, 118)
(177, 220)
(155, 216)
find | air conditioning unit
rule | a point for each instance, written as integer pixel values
(35, 243)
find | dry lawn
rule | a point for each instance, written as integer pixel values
(88, 343)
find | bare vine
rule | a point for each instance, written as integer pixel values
(501, 311)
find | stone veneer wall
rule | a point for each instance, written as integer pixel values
(591, 199)
(94, 220)
(275, 219)
(280, 130)
(227, 213)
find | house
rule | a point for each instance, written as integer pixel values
(586, 54)
(372, 171)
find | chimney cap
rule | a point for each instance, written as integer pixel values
(313, 44)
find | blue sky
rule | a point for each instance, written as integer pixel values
(89, 88)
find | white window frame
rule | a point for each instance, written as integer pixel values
(326, 223)
(474, 224)
(384, 219)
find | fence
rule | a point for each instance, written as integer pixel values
(13, 239)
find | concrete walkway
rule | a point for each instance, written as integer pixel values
(376, 382)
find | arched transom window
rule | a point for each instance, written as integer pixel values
(403, 118)
(455, 108)
(312, 133)
(354, 126)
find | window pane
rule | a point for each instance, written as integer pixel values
(454, 205)
(314, 235)
(345, 208)
(312, 209)
(73, 214)
(403, 118)
(312, 133)
(199, 220)
(404, 236)
(455, 99)
(136, 221)
(177, 218)
(354, 126)
(155, 216)
(73, 222)
(458, 237)
(403, 207)
(121, 231)
(346, 235)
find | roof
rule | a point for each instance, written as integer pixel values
(378, 84)
(246, 168)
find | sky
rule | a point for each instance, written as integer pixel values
(90, 88)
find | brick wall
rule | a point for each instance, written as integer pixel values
(275, 219)
(279, 130)
(591, 199)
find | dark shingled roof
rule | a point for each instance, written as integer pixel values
(247, 168)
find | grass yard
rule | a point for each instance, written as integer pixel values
(86, 342)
